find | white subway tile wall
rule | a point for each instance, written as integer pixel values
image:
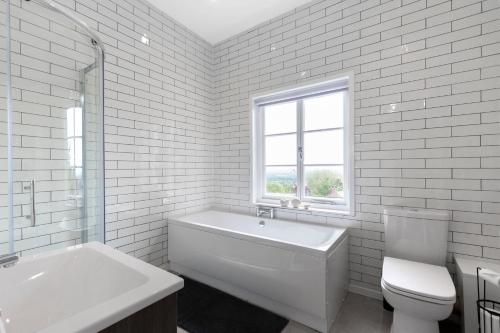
(427, 112)
(427, 115)
(159, 126)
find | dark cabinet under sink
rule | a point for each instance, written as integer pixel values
(159, 317)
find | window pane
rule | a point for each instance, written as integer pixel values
(281, 150)
(324, 182)
(280, 118)
(324, 147)
(325, 111)
(281, 180)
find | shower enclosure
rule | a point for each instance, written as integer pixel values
(51, 130)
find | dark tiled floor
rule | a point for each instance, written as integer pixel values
(360, 314)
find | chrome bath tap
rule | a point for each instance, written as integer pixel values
(263, 211)
(7, 260)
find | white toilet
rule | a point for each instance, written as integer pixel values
(414, 279)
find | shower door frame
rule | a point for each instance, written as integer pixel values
(99, 46)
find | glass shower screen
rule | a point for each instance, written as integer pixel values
(56, 171)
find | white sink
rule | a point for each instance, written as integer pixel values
(83, 288)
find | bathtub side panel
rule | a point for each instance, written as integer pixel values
(337, 273)
(284, 276)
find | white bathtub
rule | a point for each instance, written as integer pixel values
(298, 270)
(83, 289)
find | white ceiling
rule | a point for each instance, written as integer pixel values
(217, 20)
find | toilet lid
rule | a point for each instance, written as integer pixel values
(423, 280)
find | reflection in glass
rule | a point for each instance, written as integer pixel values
(74, 136)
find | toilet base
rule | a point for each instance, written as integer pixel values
(402, 323)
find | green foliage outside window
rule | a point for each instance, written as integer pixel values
(324, 183)
(280, 186)
(320, 183)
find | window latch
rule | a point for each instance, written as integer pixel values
(301, 152)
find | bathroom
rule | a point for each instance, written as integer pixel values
(300, 166)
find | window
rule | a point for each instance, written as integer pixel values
(302, 145)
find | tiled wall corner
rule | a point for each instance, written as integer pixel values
(159, 117)
(427, 106)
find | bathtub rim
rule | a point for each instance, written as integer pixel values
(321, 251)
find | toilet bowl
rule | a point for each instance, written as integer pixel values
(421, 295)
(414, 279)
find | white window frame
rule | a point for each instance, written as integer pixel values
(340, 82)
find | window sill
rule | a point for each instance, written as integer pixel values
(310, 210)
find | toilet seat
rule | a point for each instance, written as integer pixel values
(429, 283)
(416, 296)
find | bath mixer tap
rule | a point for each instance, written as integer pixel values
(7, 260)
(262, 211)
